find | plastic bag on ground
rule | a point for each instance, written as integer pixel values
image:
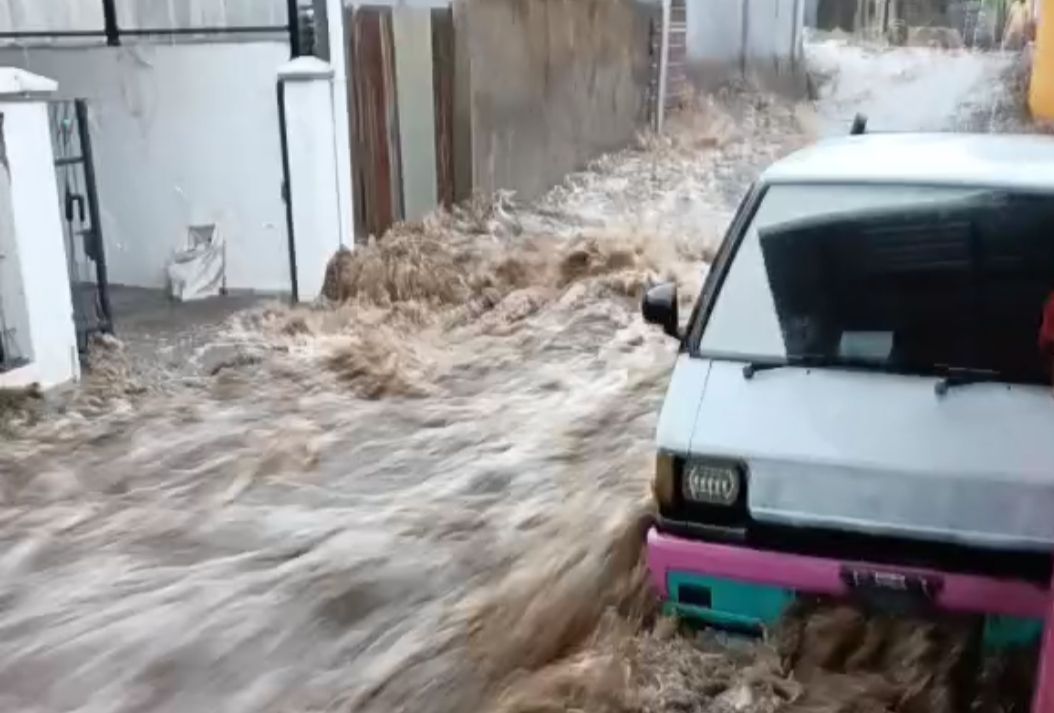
(198, 272)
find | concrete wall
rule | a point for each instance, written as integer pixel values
(774, 40)
(414, 63)
(715, 41)
(182, 134)
(837, 14)
(554, 83)
(811, 15)
(760, 40)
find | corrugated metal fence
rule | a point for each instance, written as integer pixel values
(87, 15)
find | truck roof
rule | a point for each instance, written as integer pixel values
(1024, 162)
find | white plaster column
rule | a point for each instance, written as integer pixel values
(314, 186)
(39, 244)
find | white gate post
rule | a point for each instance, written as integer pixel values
(314, 186)
(36, 290)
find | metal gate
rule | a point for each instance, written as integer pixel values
(79, 205)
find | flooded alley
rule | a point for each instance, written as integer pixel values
(428, 494)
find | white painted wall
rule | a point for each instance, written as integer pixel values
(761, 38)
(312, 169)
(184, 133)
(774, 32)
(40, 253)
(715, 33)
(412, 35)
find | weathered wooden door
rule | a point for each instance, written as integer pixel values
(375, 120)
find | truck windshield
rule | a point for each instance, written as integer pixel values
(908, 279)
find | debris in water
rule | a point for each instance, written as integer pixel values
(20, 404)
(380, 366)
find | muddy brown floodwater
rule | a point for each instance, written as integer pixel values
(429, 498)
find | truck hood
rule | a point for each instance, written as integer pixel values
(873, 452)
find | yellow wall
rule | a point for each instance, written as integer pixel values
(1041, 96)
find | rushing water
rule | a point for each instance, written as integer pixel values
(430, 499)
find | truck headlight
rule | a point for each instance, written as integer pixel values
(711, 483)
(664, 486)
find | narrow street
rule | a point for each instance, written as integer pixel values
(430, 498)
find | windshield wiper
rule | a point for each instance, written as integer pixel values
(754, 367)
(950, 376)
(809, 360)
(953, 376)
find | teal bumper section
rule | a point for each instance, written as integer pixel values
(727, 604)
(1005, 632)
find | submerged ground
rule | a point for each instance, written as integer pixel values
(431, 498)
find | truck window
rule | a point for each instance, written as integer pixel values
(899, 278)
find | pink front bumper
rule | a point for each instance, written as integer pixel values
(960, 592)
(814, 575)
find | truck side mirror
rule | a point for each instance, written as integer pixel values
(660, 307)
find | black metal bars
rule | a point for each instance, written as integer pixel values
(101, 278)
(109, 14)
